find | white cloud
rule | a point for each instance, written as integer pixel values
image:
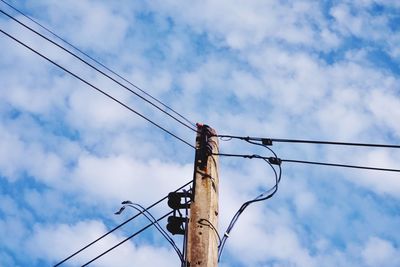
(120, 178)
(355, 18)
(380, 252)
(385, 184)
(244, 25)
(383, 106)
(253, 243)
(90, 25)
(17, 158)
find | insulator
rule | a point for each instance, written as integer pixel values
(175, 225)
(175, 198)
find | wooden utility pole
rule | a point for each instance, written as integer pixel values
(202, 242)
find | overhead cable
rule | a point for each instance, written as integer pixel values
(119, 226)
(126, 239)
(97, 61)
(96, 88)
(273, 159)
(100, 71)
(340, 165)
(269, 141)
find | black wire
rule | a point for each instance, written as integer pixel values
(340, 165)
(96, 88)
(247, 138)
(151, 218)
(262, 197)
(309, 162)
(126, 239)
(119, 226)
(258, 144)
(98, 62)
(98, 70)
(334, 143)
(166, 106)
(209, 224)
(241, 210)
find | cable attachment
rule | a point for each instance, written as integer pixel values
(275, 161)
(205, 144)
(266, 141)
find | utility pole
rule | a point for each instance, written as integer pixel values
(202, 239)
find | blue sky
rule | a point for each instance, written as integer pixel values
(326, 70)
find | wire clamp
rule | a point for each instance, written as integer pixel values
(275, 161)
(266, 141)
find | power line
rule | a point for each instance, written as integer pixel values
(119, 226)
(98, 62)
(269, 141)
(340, 165)
(100, 71)
(335, 143)
(97, 89)
(273, 159)
(126, 239)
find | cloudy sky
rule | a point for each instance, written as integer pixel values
(321, 70)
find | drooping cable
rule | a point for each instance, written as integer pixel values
(151, 218)
(98, 70)
(262, 197)
(269, 141)
(118, 226)
(126, 239)
(96, 88)
(271, 161)
(262, 145)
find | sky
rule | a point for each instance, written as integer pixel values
(319, 70)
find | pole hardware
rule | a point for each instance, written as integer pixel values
(177, 222)
(175, 200)
(176, 225)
